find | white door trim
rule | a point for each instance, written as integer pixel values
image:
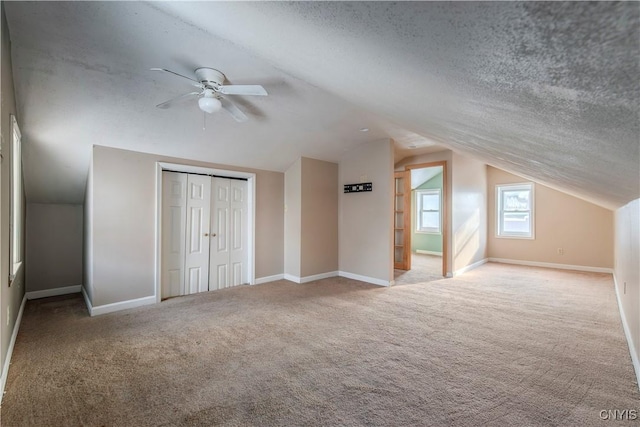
(251, 193)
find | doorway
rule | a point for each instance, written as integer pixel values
(204, 229)
(421, 224)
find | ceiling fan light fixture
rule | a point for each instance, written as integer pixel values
(212, 94)
(208, 103)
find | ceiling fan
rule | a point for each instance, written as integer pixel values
(212, 90)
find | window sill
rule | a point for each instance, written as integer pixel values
(438, 233)
(516, 237)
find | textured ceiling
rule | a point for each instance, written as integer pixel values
(546, 90)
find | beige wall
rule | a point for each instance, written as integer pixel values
(319, 236)
(53, 246)
(439, 156)
(366, 219)
(311, 218)
(123, 223)
(10, 296)
(293, 218)
(627, 273)
(582, 229)
(469, 211)
(269, 222)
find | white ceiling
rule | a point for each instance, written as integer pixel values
(546, 90)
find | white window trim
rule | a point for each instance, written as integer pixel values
(498, 206)
(16, 217)
(418, 211)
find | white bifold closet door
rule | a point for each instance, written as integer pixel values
(198, 223)
(204, 233)
(228, 262)
(174, 230)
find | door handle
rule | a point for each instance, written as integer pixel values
(212, 234)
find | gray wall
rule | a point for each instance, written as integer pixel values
(366, 219)
(53, 246)
(87, 247)
(627, 272)
(10, 296)
(123, 206)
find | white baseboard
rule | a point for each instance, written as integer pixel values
(367, 279)
(627, 332)
(470, 267)
(420, 251)
(291, 278)
(87, 301)
(553, 265)
(53, 292)
(116, 306)
(268, 279)
(12, 343)
(307, 279)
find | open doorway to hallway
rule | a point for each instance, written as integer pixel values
(423, 230)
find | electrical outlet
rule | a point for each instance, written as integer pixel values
(560, 251)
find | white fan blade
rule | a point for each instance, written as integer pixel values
(177, 100)
(193, 82)
(243, 90)
(235, 112)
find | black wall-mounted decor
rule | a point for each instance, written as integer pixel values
(357, 188)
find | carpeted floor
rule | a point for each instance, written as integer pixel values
(424, 268)
(501, 345)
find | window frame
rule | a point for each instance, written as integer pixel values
(419, 211)
(16, 217)
(523, 186)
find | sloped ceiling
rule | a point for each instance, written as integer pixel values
(422, 175)
(545, 90)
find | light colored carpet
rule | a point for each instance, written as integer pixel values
(424, 268)
(501, 345)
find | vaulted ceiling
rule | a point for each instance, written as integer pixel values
(546, 90)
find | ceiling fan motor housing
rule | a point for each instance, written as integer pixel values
(210, 77)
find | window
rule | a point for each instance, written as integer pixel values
(515, 210)
(428, 211)
(16, 197)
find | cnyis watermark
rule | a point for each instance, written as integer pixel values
(619, 414)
